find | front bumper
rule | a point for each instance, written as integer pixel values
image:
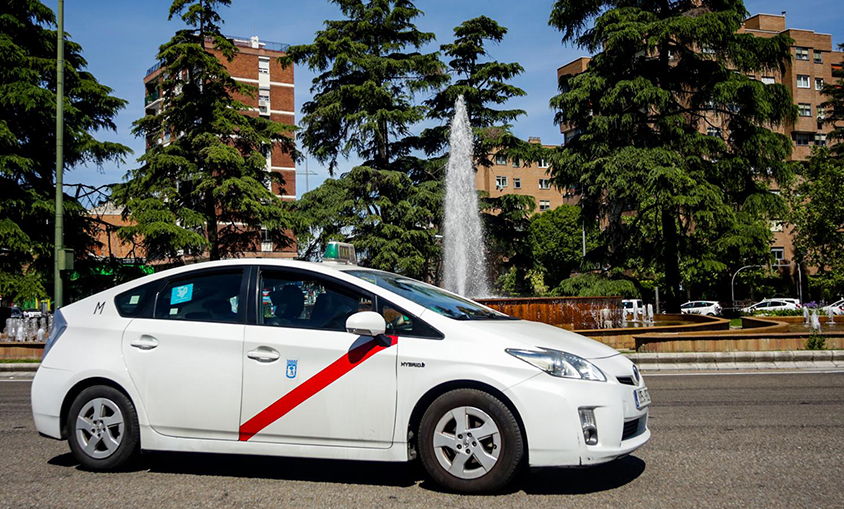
(549, 407)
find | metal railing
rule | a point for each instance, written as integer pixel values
(244, 42)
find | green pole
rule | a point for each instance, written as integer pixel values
(59, 239)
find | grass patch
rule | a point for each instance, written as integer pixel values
(735, 322)
(18, 361)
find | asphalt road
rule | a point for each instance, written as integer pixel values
(763, 440)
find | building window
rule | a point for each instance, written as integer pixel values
(263, 65)
(776, 225)
(264, 102)
(500, 160)
(779, 253)
(266, 241)
(804, 109)
(768, 80)
(500, 182)
(801, 53)
(820, 139)
(543, 163)
(713, 131)
(802, 81)
(544, 184)
(517, 183)
(544, 205)
(818, 83)
(818, 57)
(516, 162)
(802, 139)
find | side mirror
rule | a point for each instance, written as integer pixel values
(366, 323)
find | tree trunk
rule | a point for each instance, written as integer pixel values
(671, 262)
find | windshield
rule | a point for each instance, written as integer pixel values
(429, 297)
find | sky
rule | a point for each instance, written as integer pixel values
(120, 39)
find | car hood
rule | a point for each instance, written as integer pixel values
(534, 334)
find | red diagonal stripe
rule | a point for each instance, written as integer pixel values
(311, 386)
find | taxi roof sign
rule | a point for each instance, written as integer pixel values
(341, 253)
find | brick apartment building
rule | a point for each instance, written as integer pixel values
(512, 176)
(814, 63)
(255, 64)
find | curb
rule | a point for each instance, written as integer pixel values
(732, 361)
(18, 370)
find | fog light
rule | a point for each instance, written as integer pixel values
(587, 423)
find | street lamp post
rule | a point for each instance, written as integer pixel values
(58, 255)
(733, 282)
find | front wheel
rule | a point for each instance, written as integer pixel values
(470, 442)
(102, 428)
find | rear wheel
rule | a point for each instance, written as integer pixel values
(102, 428)
(470, 442)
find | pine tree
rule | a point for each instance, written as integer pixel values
(369, 66)
(674, 151)
(482, 83)
(207, 192)
(28, 144)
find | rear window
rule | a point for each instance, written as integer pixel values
(137, 302)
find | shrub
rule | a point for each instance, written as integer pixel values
(780, 312)
(816, 342)
(592, 285)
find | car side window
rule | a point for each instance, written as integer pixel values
(297, 300)
(203, 297)
(137, 302)
(400, 323)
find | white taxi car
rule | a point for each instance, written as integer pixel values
(288, 358)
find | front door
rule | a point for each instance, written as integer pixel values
(305, 379)
(185, 361)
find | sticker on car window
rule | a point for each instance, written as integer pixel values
(134, 299)
(181, 294)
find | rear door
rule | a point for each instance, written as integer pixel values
(185, 358)
(305, 379)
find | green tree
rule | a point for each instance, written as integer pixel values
(817, 214)
(506, 227)
(369, 67)
(556, 242)
(28, 144)
(483, 85)
(388, 217)
(671, 127)
(207, 192)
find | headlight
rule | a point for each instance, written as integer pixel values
(561, 364)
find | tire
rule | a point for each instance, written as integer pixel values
(102, 429)
(460, 462)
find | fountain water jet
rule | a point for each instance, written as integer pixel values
(816, 322)
(464, 261)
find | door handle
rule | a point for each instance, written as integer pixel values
(263, 354)
(144, 342)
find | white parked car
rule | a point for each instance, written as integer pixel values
(837, 308)
(701, 307)
(771, 305)
(287, 358)
(630, 304)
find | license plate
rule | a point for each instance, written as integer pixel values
(642, 397)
